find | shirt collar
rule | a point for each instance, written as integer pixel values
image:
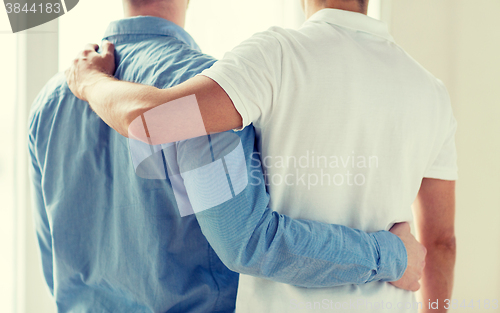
(352, 20)
(148, 25)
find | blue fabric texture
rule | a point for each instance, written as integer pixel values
(111, 241)
(252, 239)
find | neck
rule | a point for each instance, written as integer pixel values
(174, 11)
(313, 6)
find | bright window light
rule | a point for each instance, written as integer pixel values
(237, 21)
(7, 231)
(375, 9)
(220, 25)
(85, 23)
(207, 22)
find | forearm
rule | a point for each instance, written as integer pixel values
(300, 252)
(437, 280)
(159, 116)
(252, 239)
(435, 220)
(119, 103)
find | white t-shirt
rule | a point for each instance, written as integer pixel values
(348, 125)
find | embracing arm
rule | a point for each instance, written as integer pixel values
(255, 240)
(119, 103)
(252, 239)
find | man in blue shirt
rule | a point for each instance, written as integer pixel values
(112, 241)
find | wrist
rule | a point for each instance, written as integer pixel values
(393, 258)
(88, 85)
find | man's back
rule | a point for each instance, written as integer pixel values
(110, 240)
(349, 126)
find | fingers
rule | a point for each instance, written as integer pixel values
(416, 254)
(415, 287)
(405, 285)
(403, 227)
(108, 48)
(91, 47)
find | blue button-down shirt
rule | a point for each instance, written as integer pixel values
(112, 241)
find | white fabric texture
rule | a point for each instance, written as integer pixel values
(348, 125)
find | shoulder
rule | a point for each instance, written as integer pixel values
(161, 61)
(262, 46)
(426, 82)
(47, 103)
(53, 90)
(408, 63)
(274, 36)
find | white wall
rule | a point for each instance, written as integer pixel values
(459, 42)
(33, 71)
(73, 36)
(219, 25)
(8, 100)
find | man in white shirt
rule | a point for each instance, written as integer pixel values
(343, 116)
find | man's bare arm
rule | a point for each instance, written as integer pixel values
(119, 103)
(434, 211)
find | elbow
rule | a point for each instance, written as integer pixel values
(125, 129)
(450, 244)
(132, 126)
(234, 260)
(234, 266)
(240, 260)
(229, 247)
(252, 250)
(447, 244)
(247, 269)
